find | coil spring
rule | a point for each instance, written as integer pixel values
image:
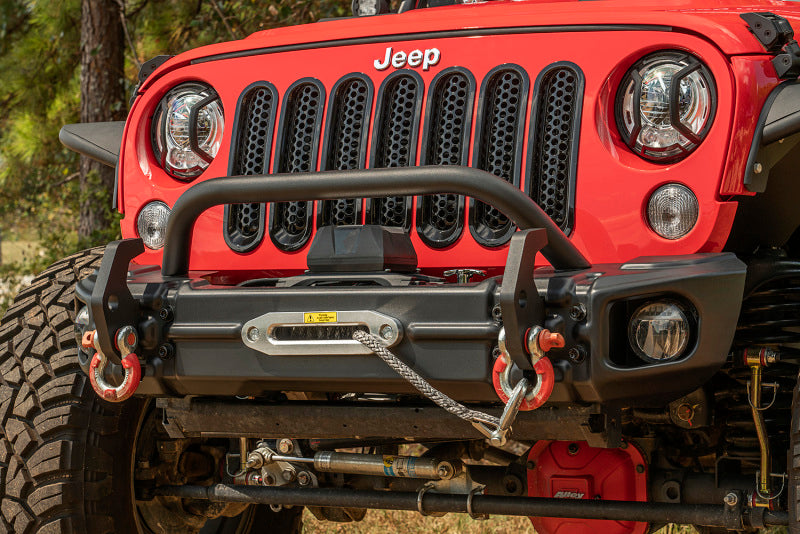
(771, 309)
(770, 316)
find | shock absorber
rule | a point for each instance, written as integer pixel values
(361, 464)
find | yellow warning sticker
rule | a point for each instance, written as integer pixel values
(319, 317)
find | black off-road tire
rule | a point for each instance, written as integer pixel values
(793, 464)
(65, 454)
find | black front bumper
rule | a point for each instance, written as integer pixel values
(193, 338)
(449, 332)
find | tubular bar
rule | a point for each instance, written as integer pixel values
(510, 200)
(695, 514)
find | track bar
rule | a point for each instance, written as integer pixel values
(695, 514)
(510, 200)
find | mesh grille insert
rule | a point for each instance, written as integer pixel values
(553, 135)
(347, 135)
(394, 144)
(440, 217)
(498, 149)
(290, 222)
(244, 223)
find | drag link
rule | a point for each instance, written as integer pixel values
(711, 515)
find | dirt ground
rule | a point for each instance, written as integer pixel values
(383, 522)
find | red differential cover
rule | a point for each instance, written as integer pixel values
(573, 470)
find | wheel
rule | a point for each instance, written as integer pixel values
(793, 463)
(66, 456)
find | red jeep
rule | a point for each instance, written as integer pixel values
(533, 258)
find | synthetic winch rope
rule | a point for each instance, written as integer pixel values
(374, 344)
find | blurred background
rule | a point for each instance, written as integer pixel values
(66, 61)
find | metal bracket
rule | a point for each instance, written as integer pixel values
(112, 304)
(776, 35)
(520, 303)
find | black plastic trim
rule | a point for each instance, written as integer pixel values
(765, 136)
(279, 237)
(100, 141)
(429, 235)
(329, 144)
(511, 30)
(233, 162)
(575, 134)
(489, 237)
(377, 130)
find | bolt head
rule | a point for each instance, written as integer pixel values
(578, 312)
(285, 446)
(253, 334)
(287, 475)
(757, 168)
(166, 351)
(577, 354)
(731, 499)
(387, 332)
(303, 478)
(572, 449)
(269, 480)
(444, 470)
(497, 313)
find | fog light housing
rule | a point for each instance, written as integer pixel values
(659, 331)
(151, 224)
(672, 211)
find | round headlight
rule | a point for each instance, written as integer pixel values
(152, 224)
(672, 211)
(659, 331)
(187, 130)
(665, 105)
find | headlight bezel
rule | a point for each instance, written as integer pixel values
(632, 80)
(159, 133)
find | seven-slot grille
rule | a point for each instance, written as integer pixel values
(499, 120)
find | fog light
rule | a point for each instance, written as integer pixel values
(659, 331)
(152, 224)
(672, 211)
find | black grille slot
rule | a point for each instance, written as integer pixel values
(440, 218)
(498, 150)
(244, 223)
(346, 144)
(552, 155)
(290, 222)
(394, 142)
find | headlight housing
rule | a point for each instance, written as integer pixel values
(187, 130)
(665, 105)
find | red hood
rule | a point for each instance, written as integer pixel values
(718, 21)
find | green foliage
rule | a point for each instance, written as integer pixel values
(40, 58)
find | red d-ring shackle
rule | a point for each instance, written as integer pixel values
(130, 363)
(541, 341)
